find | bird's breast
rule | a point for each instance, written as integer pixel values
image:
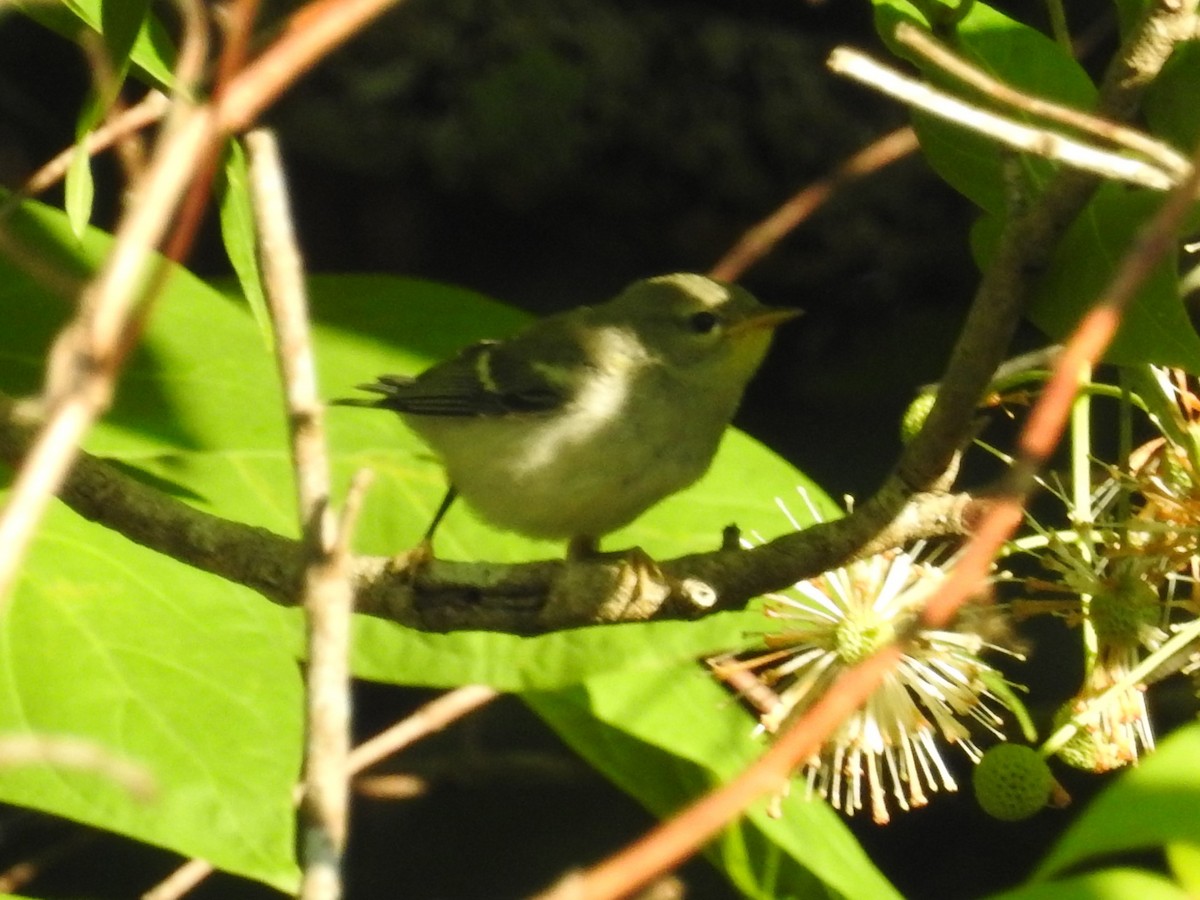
(588, 468)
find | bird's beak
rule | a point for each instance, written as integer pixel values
(768, 319)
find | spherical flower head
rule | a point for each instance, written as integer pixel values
(1126, 611)
(891, 746)
(1012, 782)
(1119, 572)
(1113, 728)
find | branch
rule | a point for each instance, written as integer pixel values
(1003, 130)
(328, 594)
(527, 598)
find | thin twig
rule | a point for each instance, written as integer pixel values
(422, 722)
(87, 355)
(1039, 141)
(181, 881)
(328, 592)
(145, 112)
(195, 202)
(433, 716)
(309, 34)
(941, 56)
(77, 753)
(761, 239)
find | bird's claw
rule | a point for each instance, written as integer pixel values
(641, 589)
(408, 564)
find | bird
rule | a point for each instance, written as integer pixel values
(575, 426)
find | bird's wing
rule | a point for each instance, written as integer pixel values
(484, 379)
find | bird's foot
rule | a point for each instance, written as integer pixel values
(409, 563)
(640, 588)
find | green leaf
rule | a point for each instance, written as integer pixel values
(152, 50)
(202, 358)
(1014, 53)
(1170, 104)
(198, 409)
(1114, 883)
(1184, 860)
(238, 234)
(166, 667)
(669, 737)
(121, 21)
(1155, 327)
(80, 190)
(1149, 806)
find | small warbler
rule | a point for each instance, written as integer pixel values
(575, 426)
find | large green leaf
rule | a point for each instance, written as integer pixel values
(174, 669)
(198, 411)
(1107, 883)
(1155, 327)
(166, 667)
(1171, 100)
(1152, 805)
(203, 358)
(668, 737)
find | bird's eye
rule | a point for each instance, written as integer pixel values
(703, 322)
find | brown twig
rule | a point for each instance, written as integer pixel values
(145, 112)
(761, 238)
(309, 35)
(433, 716)
(195, 202)
(527, 598)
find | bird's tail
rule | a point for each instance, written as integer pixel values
(386, 385)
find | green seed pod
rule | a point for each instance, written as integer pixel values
(1012, 782)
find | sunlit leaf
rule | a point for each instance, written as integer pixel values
(1166, 783)
(669, 737)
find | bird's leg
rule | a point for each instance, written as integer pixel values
(443, 508)
(583, 546)
(410, 561)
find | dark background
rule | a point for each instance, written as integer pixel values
(547, 152)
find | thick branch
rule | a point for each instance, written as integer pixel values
(444, 595)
